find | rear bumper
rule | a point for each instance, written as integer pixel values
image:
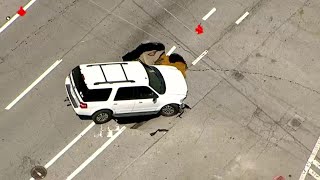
(74, 99)
(71, 95)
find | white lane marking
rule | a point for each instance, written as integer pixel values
(95, 154)
(242, 17)
(29, 4)
(314, 174)
(171, 51)
(310, 161)
(200, 57)
(9, 22)
(69, 145)
(110, 132)
(100, 132)
(316, 163)
(209, 14)
(55, 158)
(15, 16)
(33, 84)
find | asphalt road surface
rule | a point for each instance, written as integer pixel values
(254, 96)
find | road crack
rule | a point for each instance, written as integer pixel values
(158, 130)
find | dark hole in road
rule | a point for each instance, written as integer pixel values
(38, 172)
(159, 130)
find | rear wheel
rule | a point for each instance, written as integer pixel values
(102, 116)
(169, 110)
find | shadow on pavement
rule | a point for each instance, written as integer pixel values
(127, 120)
(135, 119)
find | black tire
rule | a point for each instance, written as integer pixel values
(102, 116)
(169, 110)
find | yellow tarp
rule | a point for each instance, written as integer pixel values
(164, 60)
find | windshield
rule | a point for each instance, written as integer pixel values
(156, 80)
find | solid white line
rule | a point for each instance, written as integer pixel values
(171, 51)
(242, 17)
(55, 158)
(15, 16)
(29, 4)
(209, 14)
(69, 145)
(200, 57)
(310, 160)
(95, 154)
(33, 84)
(9, 22)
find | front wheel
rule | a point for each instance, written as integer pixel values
(169, 110)
(102, 116)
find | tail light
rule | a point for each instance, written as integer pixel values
(82, 76)
(83, 105)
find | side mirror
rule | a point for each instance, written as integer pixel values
(155, 97)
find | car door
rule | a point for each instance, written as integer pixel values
(144, 100)
(124, 100)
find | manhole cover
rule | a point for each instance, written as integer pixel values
(38, 172)
(295, 123)
(237, 75)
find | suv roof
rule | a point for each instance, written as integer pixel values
(107, 75)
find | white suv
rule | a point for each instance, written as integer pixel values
(106, 90)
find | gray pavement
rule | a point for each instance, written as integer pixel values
(254, 96)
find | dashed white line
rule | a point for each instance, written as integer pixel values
(200, 57)
(242, 17)
(310, 162)
(171, 51)
(55, 158)
(33, 84)
(209, 14)
(95, 154)
(8, 23)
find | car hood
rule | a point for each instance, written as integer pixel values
(175, 82)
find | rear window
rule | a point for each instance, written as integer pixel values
(86, 94)
(96, 95)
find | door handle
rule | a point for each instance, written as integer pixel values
(115, 104)
(140, 102)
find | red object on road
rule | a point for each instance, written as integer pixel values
(279, 178)
(199, 29)
(21, 11)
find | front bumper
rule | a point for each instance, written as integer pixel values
(181, 107)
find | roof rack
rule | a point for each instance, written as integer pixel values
(106, 64)
(111, 82)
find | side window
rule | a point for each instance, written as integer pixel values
(144, 92)
(125, 93)
(96, 95)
